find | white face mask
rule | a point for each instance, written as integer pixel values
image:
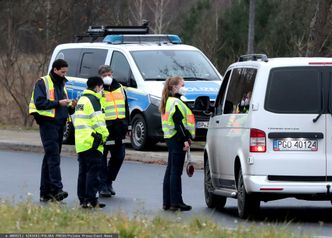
(182, 91)
(108, 80)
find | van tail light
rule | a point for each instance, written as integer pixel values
(257, 140)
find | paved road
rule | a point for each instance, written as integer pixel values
(29, 140)
(139, 193)
(139, 186)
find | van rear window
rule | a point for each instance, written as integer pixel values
(294, 90)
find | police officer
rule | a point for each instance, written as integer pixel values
(49, 105)
(178, 124)
(90, 135)
(117, 120)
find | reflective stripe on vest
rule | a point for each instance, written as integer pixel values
(167, 118)
(50, 95)
(115, 104)
(86, 122)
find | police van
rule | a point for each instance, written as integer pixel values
(140, 62)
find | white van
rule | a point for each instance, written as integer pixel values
(270, 133)
(140, 62)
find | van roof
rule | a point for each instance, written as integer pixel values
(129, 47)
(287, 62)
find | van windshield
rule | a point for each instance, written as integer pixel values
(160, 64)
(294, 90)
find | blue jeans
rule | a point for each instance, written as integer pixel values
(51, 136)
(172, 187)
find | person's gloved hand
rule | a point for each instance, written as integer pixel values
(98, 140)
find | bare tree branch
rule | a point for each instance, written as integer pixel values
(136, 10)
(159, 10)
(319, 30)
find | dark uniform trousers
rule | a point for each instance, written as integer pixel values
(51, 136)
(172, 187)
(109, 172)
(88, 182)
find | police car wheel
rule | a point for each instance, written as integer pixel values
(68, 133)
(139, 133)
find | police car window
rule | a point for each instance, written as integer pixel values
(72, 57)
(161, 64)
(90, 62)
(294, 90)
(120, 67)
(240, 91)
(221, 94)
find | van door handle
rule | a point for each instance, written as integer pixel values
(217, 121)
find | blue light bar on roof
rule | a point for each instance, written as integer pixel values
(175, 39)
(160, 39)
(113, 39)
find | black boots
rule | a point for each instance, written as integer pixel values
(90, 205)
(107, 191)
(179, 207)
(58, 196)
(110, 188)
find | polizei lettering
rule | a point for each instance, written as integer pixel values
(202, 89)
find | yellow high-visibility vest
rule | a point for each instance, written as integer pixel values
(87, 121)
(114, 104)
(167, 118)
(49, 95)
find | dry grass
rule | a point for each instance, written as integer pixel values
(54, 218)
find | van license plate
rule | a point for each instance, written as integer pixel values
(202, 124)
(295, 145)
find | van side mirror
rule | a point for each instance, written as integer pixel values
(132, 82)
(202, 104)
(124, 84)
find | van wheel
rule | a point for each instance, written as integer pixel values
(247, 204)
(139, 133)
(211, 200)
(68, 133)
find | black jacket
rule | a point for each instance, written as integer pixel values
(42, 103)
(117, 128)
(182, 134)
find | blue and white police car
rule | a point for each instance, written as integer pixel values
(141, 62)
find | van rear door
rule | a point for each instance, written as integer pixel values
(329, 126)
(295, 124)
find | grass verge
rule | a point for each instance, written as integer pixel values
(27, 217)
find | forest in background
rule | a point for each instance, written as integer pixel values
(32, 28)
